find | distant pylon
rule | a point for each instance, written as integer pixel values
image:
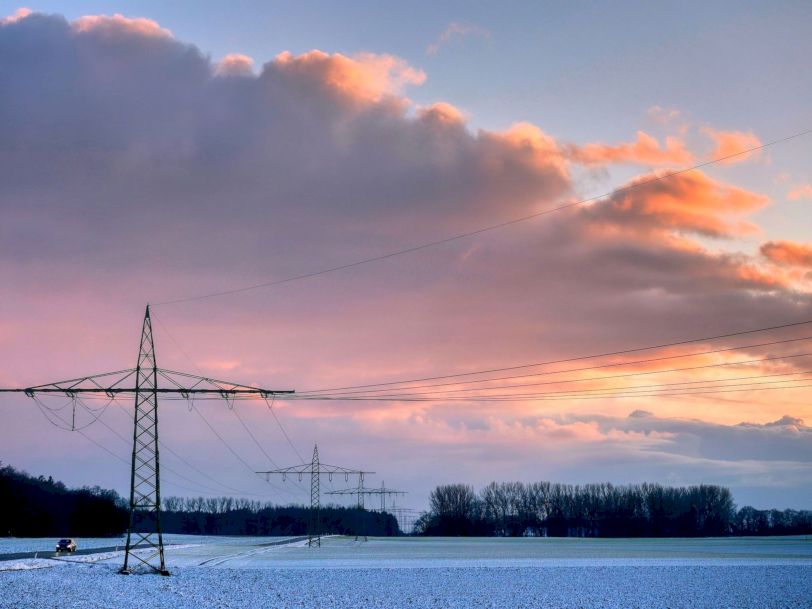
(361, 491)
(316, 469)
(360, 519)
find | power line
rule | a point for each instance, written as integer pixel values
(471, 399)
(253, 437)
(580, 358)
(231, 450)
(281, 428)
(269, 404)
(234, 410)
(95, 414)
(408, 393)
(678, 386)
(192, 466)
(576, 380)
(206, 488)
(484, 229)
(97, 418)
(443, 395)
(670, 392)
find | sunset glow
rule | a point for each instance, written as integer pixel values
(145, 161)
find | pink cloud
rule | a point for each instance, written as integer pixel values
(364, 76)
(663, 116)
(456, 30)
(18, 15)
(788, 253)
(442, 112)
(221, 365)
(118, 24)
(319, 160)
(534, 147)
(728, 143)
(234, 64)
(690, 202)
(645, 150)
(802, 191)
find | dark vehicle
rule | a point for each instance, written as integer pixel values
(66, 545)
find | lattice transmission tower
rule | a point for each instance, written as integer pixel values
(315, 469)
(406, 518)
(360, 492)
(145, 548)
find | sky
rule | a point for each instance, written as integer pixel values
(153, 152)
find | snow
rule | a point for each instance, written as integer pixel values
(466, 588)
(55, 561)
(47, 544)
(25, 564)
(444, 573)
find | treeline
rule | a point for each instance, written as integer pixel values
(230, 516)
(42, 507)
(600, 510)
(39, 507)
(750, 521)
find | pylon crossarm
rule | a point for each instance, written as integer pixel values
(344, 491)
(181, 384)
(365, 491)
(335, 469)
(307, 468)
(112, 381)
(202, 384)
(75, 384)
(114, 391)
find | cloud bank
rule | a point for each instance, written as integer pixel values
(134, 168)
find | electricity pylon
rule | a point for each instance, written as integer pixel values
(361, 491)
(361, 523)
(315, 469)
(406, 518)
(143, 382)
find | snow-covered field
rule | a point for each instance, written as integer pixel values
(46, 544)
(442, 573)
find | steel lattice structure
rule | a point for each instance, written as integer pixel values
(145, 547)
(406, 518)
(315, 469)
(145, 478)
(361, 491)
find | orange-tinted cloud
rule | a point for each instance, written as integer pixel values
(690, 202)
(301, 166)
(802, 191)
(442, 112)
(727, 143)
(530, 144)
(645, 150)
(757, 278)
(365, 76)
(18, 15)
(118, 24)
(788, 253)
(234, 64)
